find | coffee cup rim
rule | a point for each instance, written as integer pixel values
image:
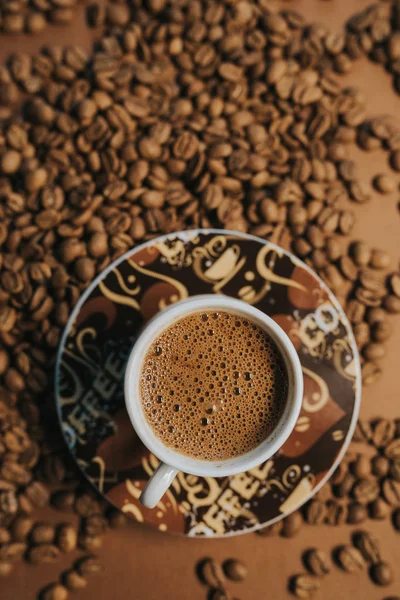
(204, 468)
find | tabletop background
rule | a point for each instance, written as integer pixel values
(144, 564)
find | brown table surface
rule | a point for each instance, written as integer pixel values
(144, 564)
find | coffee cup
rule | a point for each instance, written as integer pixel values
(171, 460)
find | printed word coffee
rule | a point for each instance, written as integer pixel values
(213, 385)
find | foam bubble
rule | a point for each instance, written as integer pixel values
(213, 402)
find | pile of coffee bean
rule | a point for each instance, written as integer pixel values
(32, 16)
(362, 554)
(185, 114)
(216, 576)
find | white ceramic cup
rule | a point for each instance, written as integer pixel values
(173, 461)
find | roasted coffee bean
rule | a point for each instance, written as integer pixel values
(54, 591)
(381, 573)
(271, 530)
(304, 586)
(74, 581)
(12, 552)
(391, 491)
(361, 467)
(366, 490)
(367, 545)
(361, 253)
(394, 470)
(392, 304)
(315, 512)
(89, 565)
(67, 537)
(317, 562)
(380, 466)
(211, 573)
(6, 568)
(43, 554)
(336, 514)
(343, 489)
(371, 373)
(42, 533)
(116, 519)
(357, 513)
(350, 559)
(94, 525)
(396, 519)
(392, 450)
(385, 183)
(292, 524)
(362, 432)
(383, 432)
(20, 528)
(379, 509)
(235, 569)
(63, 500)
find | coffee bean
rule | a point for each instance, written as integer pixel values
(394, 470)
(43, 554)
(74, 581)
(392, 304)
(379, 509)
(336, 514)
(54, 591)
(380, 259)
(5, 536)
(21, 528)
(381, 331)
(357, 513)
(211, 573)
(362, 432)
(380, 466)
(368, 545)
(12, 552)
(317, 562)
(381, 573)
(385, 183)
(396, 519)
(304, 586)
(63, 500)
(89, 565)
(395, 284)
(361, 253)
(350, 559)
(344, 488)
(392, 449)
(371, 373)
(361, 467)
(85, 505)
(391, 492)
(315, 512)
(383, 432)
(292, 524)
(271, 530)
(42, 533)
(234, 569)
(116, 518)
(67, 537)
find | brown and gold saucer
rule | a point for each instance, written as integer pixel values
(100, 335)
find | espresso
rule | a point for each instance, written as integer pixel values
(213, 385)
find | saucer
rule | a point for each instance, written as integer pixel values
(97, 342)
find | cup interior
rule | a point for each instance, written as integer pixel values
(270, 444)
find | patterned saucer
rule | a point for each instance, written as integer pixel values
(102, 330)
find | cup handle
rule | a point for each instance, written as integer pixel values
(157, 485)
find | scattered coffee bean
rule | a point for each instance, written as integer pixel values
(392, 450)
(271, 530)
(63, 500)
(368, 546)
(385, 183)
(366, 490)
(67, 537)
(304, 586)
(391, 491)
(211, 573)
(6, 568)
(379, 509)
(235, 569)
(74, 581)
(350, 559)
(89, 565)
(396, 519)
(54, 591)
(381, 573)
(336, 514)
(43, 554)
(383, 432)
(317, 562)
(292, 524)
(357, 513)
(361, 467)
(362, 432)
(315, 512)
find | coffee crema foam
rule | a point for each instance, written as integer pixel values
(213, 385)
